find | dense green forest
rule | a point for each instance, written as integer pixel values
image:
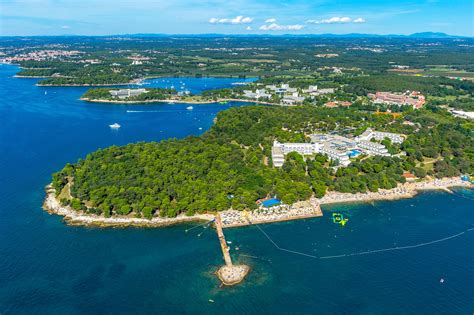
(99, 79)
(229, 166)
(400, 83)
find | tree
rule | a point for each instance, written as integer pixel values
(147, 212)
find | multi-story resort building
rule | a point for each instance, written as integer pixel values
(370, 134)
(259, 93)
(292, 99)
(282, 89)
(279, 150)
(314, 91)
(336, 154)
(337, 148)
(125, 93)
(373, 148)
(414, 98)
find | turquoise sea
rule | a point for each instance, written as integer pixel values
(47, 267)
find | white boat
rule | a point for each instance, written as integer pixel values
(115, 126)
(189, 108)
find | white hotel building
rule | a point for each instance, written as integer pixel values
(377, 135)
(336, 154)
(279, 150)
(373, 148)
(337, 148)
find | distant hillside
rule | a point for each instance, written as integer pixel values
(432, 35)
(426, 35)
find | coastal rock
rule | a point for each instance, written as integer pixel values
(232, 275)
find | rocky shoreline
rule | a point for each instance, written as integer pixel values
(402, 191)
(407, 190)
(72, 217)
(178, 101)
(101, 84)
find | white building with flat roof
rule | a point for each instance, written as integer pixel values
(125, 93)
(335, 154)
(378, 135)
(279, 150)
(259, 93)
(373, 148)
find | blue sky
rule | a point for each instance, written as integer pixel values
(105, 17)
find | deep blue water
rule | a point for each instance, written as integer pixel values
(47, 267)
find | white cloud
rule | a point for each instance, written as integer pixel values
(272, 20)
(65, 27)
(248, 28)
(359, 20)
(333, 20)
(237, 20)
(277, 27)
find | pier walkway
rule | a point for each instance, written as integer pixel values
(229, 274)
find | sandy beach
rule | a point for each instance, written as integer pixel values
(233, 218)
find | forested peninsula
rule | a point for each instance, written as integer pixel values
(230, 165)
(149, 95)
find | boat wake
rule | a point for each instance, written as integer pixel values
(148, 111)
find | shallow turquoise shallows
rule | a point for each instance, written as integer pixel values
(47, 267)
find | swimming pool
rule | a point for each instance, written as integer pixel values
(354, 153)
(271, 202)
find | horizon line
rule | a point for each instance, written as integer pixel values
(443, 35)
